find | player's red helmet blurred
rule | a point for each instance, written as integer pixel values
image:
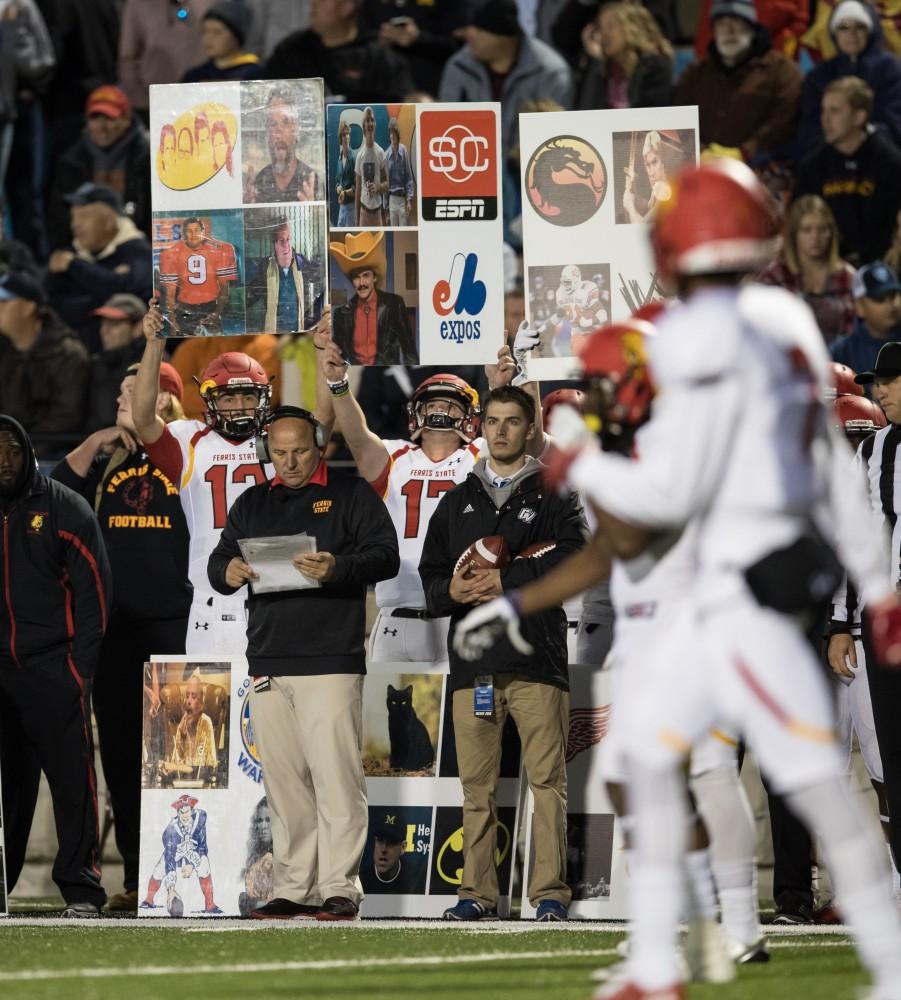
(857, 417)
(717, 218)
(843, 382)
(570, 397)
(444, 386)
(233, 372)
(615, 365)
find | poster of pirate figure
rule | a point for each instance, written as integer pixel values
(416, 268)
(591, 184)
(239, 206)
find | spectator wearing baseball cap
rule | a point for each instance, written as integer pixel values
(108, 256)
(856, 32)
(143, 526)
(113, 150)
(747, 93)
(501, 63)
(223, 34)
(44, 368)
(877, 299)
(121, 345)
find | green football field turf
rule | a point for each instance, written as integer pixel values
(373, 960)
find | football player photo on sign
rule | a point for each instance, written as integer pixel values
(198, 267)
(567, 304)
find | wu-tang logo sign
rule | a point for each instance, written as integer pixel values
(636, 295)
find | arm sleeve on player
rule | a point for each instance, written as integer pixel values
(166, 455)
(678, 471)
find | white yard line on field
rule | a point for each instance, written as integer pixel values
(29, 975)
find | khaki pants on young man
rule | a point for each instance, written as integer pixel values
(541, 714)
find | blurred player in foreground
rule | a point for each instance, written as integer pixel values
(739, 440)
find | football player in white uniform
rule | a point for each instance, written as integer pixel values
(649, 584)
(411, 476)
(580, 307)
(212, 462)
(745, 369)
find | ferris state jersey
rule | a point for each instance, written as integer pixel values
(411, 486)
(211, 472)
(196, 272)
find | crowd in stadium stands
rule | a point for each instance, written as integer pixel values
(807, 92)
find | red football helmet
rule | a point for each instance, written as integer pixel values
(615, 365)
(857, 417)
(234, 372)
(843, 382)
(444, 386)
(717, 218)
(571, 397)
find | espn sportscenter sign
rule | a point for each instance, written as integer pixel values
(458, 172)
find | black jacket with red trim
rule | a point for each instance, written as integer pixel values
(55, 575)
(319, 630)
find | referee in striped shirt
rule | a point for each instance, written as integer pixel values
(880, 458)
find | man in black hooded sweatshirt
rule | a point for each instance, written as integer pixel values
(56, 589)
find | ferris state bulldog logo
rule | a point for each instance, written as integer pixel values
(458, 150)
(36, 521)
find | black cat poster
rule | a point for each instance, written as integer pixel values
(401, 715)
(412, 861)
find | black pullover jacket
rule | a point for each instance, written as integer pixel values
(319, 630)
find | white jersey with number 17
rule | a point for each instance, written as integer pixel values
(411, 486)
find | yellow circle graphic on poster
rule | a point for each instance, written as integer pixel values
(196, 146)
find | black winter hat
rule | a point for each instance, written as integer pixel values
(235, 15)
(498, 17)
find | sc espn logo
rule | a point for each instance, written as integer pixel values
(458, 152)
(463, 294)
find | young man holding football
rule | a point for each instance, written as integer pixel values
(503, 496)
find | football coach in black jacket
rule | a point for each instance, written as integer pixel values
(306, 654)
(56, 585)
(503, 495)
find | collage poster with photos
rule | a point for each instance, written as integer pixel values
(416, 265)
(591, 181)
(206, 841)
(240, 220)
(595, 862)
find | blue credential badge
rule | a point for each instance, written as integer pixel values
(483, 697)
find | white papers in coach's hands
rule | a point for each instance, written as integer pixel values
(272, 560)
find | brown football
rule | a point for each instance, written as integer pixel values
(490, 552)
(537, 550)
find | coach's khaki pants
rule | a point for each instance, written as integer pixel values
(309, 732)
(541, 714)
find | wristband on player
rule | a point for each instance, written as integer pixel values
(339, 388)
